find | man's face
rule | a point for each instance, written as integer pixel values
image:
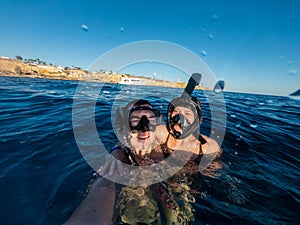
(142, 139)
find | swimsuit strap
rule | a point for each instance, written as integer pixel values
(202, 139)
(199, 156)
(115, 148)
(130, 157)
(165, 148)
(128, 153)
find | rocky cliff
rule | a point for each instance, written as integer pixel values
(15, 67)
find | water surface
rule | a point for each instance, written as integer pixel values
(43, 174)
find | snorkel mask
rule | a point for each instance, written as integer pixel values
(144, 124)
(187, 101)
(179, 120)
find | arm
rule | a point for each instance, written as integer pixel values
(97, 207)
(210, 164)
(211, 146)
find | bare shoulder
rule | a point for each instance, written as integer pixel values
(119, 154)
(211, 146)
(161, 133)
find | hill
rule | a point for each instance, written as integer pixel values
(18, 67)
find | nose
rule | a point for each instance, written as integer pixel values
(143, 125)
(180, 119)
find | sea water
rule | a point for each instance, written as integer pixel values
(44, 176)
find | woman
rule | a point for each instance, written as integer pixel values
(184, 117)
(181, 136)
(137, 124)
(137, 146)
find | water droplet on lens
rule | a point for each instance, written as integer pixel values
(106, 35)
(210, 36)
(122, 29)
(85, 27)
(203, 53)
(203, 30)
(293, 72)
(219, 86)
(290, 62)
(215, 17)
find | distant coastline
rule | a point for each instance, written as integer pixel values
(38, 69)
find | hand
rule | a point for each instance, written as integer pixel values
(111, 167)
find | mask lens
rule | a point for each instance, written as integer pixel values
(181, 120)
(143, 120)
(184, 117)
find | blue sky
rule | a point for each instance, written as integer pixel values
(253, 45)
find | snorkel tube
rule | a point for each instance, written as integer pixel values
(192, 83)
(185, 100)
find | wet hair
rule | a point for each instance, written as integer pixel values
(141, 102)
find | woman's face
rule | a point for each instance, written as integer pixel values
(142, 139)
(187, 113)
